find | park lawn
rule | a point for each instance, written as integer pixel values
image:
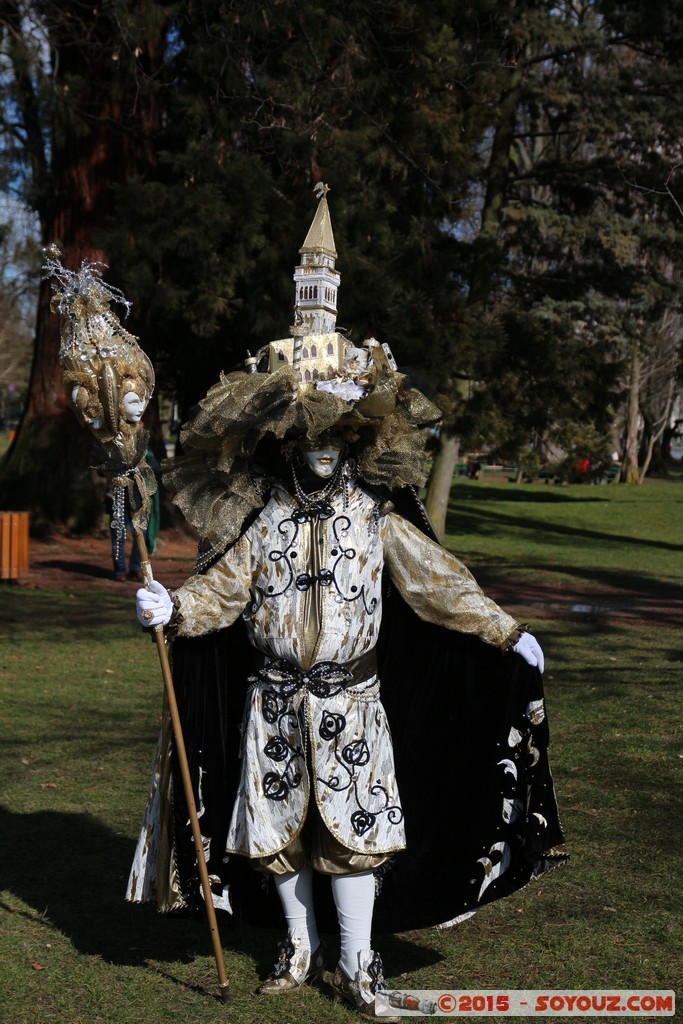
(610, 534)
(79, 712)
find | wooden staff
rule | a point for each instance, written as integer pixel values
(104, 366)
(224, 983)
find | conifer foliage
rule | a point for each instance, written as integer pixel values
(77, 116)
(503, 179)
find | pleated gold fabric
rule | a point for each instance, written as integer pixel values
(225, 470)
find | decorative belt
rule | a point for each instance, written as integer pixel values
(325, 679)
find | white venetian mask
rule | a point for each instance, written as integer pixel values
(133, 407)
(323, 463)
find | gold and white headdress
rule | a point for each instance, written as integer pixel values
(314, 381)
(109, 378)
(102, 361)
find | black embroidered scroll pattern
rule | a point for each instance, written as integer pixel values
(289, 531)
(318, 510)
(340, 528)
(277, 711)
(353, 756)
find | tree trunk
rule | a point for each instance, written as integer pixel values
(47, 468)
(629, 467)
(647, 459)
(485, 258)
(485, 255)
(657, 431)
(440, 482)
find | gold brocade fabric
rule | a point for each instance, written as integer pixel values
(136, 478)
(439, 588)
(154, 873)
(313, 539)
(224, 472)
(316, 846)
(268, 576)
(269, 814)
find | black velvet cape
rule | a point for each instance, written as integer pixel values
(452, 702)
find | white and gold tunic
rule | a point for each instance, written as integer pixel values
(309, 589)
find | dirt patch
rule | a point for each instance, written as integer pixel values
(67, 562)
(660, 605)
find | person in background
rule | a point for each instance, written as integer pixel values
(118, 549)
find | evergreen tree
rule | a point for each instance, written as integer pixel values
(574, 246)
(390, 104)
(378, 100)
(488, 166)
(78, 116)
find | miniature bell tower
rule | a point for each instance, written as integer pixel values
(315, 349)
(315, 279)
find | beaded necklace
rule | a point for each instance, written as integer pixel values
(317, 499)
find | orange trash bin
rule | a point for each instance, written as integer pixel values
(13, 545)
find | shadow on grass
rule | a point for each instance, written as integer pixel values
(72, 871)
(605, 651)
(460, 520)
(589, 594)
(28, 613)
(79, 568)
(492, 493)
(81, 733)
(623, 579)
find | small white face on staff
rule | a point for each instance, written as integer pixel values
(323, 463)
(95, 423)
(133, 407)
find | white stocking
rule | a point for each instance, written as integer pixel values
(354, 898)
(296, 895)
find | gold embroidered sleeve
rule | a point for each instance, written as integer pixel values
(218, 597)
(439, 588)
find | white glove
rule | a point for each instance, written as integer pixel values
(530, 649)
(154, 606)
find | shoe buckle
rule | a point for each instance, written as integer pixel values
(376, 973)
(284, 960)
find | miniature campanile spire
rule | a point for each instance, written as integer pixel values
(315, 279)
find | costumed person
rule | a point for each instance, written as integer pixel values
(109, 381)
(318, 580)
(135, 391)
(133, 571)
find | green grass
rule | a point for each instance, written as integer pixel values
(79, 710)
(605, 534)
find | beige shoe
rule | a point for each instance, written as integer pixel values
(294, 967)
(361, 991)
